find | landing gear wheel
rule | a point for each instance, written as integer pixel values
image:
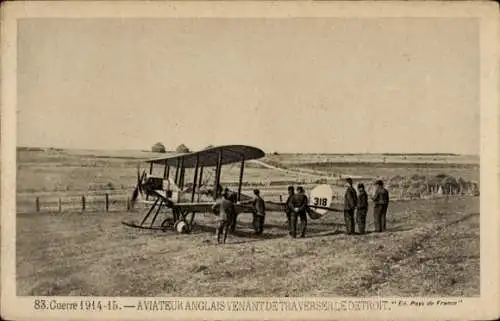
(182, 227)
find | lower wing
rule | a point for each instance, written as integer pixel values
(312, 209)
(206, 207)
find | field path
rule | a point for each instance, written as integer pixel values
(302, 172)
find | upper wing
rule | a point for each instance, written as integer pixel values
(210, 157)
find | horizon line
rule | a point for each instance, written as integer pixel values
(267, 153)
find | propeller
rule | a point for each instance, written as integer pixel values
(138, 190)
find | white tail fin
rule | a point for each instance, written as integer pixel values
(320, 196)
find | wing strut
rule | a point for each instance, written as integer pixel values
(182, 174)
(166, 171)
(242, 168)
(200, 182)
(195, 177)
(176, 178)
(217, 175)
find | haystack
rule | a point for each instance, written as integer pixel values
(158, 148)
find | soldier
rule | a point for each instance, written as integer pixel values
(362, 208)
(299, 203)
(218, 191)
(259, 212)
(381, 204)
(289, 208)
(350, 202)
(226, 211)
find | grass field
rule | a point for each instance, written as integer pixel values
(431, 247)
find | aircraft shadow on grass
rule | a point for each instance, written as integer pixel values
(245, 230)
(247, 233)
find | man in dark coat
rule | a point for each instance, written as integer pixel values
(362, 208)
(289, 208)
(225, 210)
(299, 202)
(350, 203)
(381, 204)
(259, 211)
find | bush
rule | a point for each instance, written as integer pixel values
(394, 185)
(396, 178)
(417, 177)
(413, 193)
(415, 185)
(406, 183)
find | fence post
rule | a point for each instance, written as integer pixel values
(83, 203)
(107, 202)
(37, 204)
(60, 205)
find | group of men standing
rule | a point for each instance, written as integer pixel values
(226, 219)
(297, 207)
(356, 207)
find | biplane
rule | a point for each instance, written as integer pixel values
(169, 190)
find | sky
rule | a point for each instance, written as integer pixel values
(319, 85)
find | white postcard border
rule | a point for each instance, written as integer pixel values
(470, 308)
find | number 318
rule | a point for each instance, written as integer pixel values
(320, 201)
